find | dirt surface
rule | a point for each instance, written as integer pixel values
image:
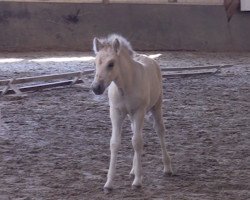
(54, 144)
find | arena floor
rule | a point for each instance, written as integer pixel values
(54, 144)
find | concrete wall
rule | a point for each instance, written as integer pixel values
(63, 26)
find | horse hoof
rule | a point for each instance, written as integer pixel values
(132, 176)
(107, 190)
(168, 173)
(136, 187)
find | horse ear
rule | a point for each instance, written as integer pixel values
(116, 45)
(97, 45)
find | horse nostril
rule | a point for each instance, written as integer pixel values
(97, 89)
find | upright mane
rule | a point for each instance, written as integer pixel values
(123, 42)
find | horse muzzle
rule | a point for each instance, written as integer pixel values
(98, 88)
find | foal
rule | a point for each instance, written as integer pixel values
(135, 88)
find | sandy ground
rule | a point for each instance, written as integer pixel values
(54, 144)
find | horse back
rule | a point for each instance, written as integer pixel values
(153, 78)
(151, 67)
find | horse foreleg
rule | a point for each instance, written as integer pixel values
(137, 141)
(116, 118)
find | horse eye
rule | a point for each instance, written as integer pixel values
(110, 65)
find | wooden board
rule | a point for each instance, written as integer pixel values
(57, 1)
(76, 78)
(43, 86)
(192, 2)
(45, 77)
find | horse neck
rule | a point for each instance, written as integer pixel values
(127, 73)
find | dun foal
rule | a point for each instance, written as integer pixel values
(135, 88)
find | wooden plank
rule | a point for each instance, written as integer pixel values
(69, 82)
(43, 86)
(40, 78)
(196, 68)
(202, 2)
(184, 71)
(190, 73)
(45, 77)
(180, 2)
(56, 1)
(10, 86)
(77, 74)
(188, 68)
(191, 2)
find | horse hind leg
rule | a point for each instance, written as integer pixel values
(160, 130)
(132, 172)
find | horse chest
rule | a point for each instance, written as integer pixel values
(128, 104)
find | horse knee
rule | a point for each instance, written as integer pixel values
(137, 143)
(114, 144)
(160, 129)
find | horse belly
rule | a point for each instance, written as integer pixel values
(155, 87)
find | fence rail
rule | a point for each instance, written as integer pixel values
(44, 77)
(12, 86)
(194, 2)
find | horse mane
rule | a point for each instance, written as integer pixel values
(123, 42)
